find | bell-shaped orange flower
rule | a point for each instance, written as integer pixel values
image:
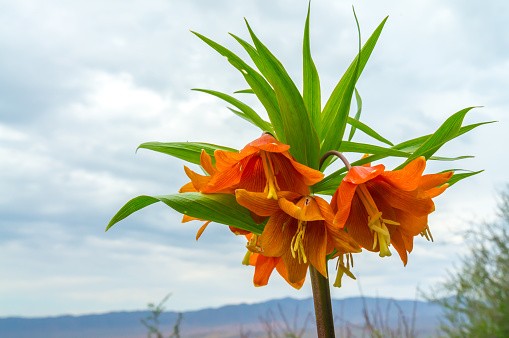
(379, 207)
(300, 230)
(264, 165)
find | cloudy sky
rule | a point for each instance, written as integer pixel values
(83, 83)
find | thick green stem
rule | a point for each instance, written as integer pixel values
(323, 307)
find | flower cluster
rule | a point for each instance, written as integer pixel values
(371, 209)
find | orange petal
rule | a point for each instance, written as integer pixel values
(407, 178)
(202, 229)
(415, 201)
(189, 187)
(277, 235)
(253, 258)
(305, 209)
(268, 143)
(199, 181)
(437, 191)
(257, 202)
(253, 175)
(430, 181)
(399, 245)
(296, 270)
(310, 176)
(186, 219)
(227, 159)
(287, 177)
(409, 242)
(281, 268)
(342, 241)
(410, 224)
(342, 200)
(222, 180)
(325, 209)
(238, 231)
(315, 245)
(206, 163)
(358, 175)
(263, 269)
(357, 225)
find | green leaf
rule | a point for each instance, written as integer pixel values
(311, 93)
(458, 177)
(244, 91)
(219, 208)
(242, 115)
(252, 52)
(299, 131)
(261, 88)
(447, 131)
(248, 111)
(339, 109)
(338, 95)
(364, 148)
(357, 115)
(356, 124)
(187, 151)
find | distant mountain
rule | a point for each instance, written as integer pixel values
(231, 320)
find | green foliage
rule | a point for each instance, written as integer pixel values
(479, 305)
(219, 208)
(297, 119)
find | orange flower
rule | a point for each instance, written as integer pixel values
(379, 207)
(264, 165)
(300, 230)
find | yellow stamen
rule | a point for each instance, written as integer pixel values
(245, 261)
(427, 233)
(376, 223)
(253, 246)
(271, 187)
(297, 246)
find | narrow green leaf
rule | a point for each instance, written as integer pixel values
(447, 131)
(311, 92)
(300, 133)
(340, 109)
(261, 88)
(244, 91)
(252, 52)
(219, 208)
(364, 148)
(356, 124)
(243, 116)
(357, 115)
(187, 151)
(330, 109)
(440, 158)
(458, 177)
(131, 207)
(248, 111)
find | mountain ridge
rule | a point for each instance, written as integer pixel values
(223, 321)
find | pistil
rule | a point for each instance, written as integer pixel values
(271, 187)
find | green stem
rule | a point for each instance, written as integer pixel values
(323, 307)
